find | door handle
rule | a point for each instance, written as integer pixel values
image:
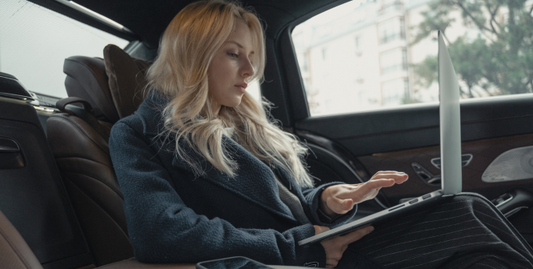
(465, 160)
(434, 180)
(426, 176)
(10, 154)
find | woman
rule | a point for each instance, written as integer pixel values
(205, 175)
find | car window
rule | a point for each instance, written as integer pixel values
(35, 41)
(368, 54)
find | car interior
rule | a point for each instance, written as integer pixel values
(60, 202)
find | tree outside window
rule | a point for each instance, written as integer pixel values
(494, 56)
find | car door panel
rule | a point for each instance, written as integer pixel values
(394, 139)
(483, 152)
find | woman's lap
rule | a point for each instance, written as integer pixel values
(464, 232)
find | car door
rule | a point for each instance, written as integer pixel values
(407, 139)
(497, 134)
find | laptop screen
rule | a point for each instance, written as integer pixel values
(450, 123)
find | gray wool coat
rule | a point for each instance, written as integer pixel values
(175, 217)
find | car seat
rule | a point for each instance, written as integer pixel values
(14, 251)
(16, 254)
(108, 89)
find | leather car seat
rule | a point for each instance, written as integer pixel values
(14, 251)
(16, 254)
(81, 147)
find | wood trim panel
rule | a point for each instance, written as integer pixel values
(483, 151)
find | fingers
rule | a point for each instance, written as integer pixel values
(331, 263)
(376, 184)
(336, 199)
(341, 206)
(344, 204)
(347, 204)
(336, 246)
(340, 199)
(334, 255)
(320, 229)
(379, 183)
(370, 189)
(382, 179)
(398, 177)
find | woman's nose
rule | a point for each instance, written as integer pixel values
(248, 69)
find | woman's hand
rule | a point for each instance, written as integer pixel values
(339, 199)
(336, 245)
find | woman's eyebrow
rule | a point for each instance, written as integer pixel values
(238, 45)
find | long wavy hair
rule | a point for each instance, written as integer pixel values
(180, 72)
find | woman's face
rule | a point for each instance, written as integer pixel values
(231, 68)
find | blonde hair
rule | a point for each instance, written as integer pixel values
(180, 72)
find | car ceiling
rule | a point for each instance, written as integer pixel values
(149, 18)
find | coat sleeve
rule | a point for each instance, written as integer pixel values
(163, 229)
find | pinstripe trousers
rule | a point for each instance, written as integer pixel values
(464, 232)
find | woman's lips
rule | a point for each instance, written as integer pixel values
(242, 87)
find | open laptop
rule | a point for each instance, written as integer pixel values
(450, 151)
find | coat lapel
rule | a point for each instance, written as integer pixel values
(254, 182)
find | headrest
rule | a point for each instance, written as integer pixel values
(126, 79)
(87, 79)
(113, 85)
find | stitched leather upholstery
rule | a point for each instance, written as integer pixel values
(82, 155)
(87, 79)
(14, 252)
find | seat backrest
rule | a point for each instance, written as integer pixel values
(113, 87)
(32, 194)
(14, 252)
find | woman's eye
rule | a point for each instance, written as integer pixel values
(234, 55)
